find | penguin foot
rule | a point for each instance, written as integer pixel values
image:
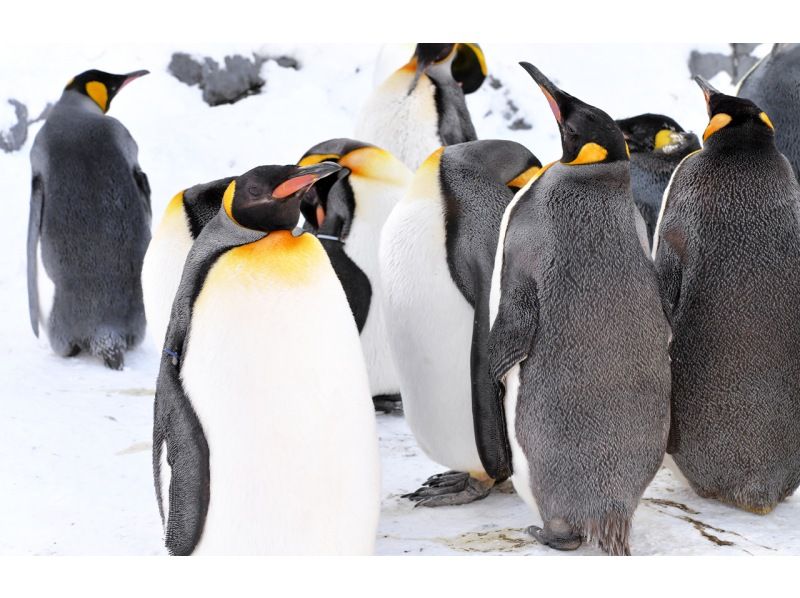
(387, 403)
(552, 540)
(114, 360)
(449, 489)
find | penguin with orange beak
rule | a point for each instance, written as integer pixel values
(244, 397)
(421, 106)
(727, 252)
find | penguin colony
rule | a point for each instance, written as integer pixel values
(564, 326)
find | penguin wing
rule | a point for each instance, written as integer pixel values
(514, 330)
(143, 184)
(34, 231)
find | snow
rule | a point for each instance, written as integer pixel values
(75, 437)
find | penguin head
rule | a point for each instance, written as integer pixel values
(101, 87)
(465, 62)
(267, 198)
(588, 135)
(654, 133)
(329, 207)
(730, 113)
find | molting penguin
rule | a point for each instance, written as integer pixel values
(184, 218)
(89, 224)
(773, 84)
(436, 257)
(727, 251)
(254, 450)
(657, 144)
(579, 338)
(347, 214)
(421, 106)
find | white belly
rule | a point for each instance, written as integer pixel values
(430, 331)
(521, 477)
(287, 413)
(162, 270)
(405, 124)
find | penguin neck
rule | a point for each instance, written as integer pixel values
(613, 175)
(75, 100)
(746, 137)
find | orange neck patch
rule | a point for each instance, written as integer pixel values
(522, 179)
(716, 123)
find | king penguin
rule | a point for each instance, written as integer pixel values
(89, 224)
(578, 337)
(436, 257)
(347, 213)
(727, 251)
(421, 106)
(657, 144)
(183, 220)
(773, 84)
(264, 439)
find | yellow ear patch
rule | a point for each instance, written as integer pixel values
(479, 54)
(312, 159)
(227, 200)
(717, 122)
(377, 164)
(590, 153)
(99, 93)
(763, 116)
(663, 138)
(522, 179)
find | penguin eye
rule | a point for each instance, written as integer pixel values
(253, 191)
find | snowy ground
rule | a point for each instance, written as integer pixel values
(75, 437)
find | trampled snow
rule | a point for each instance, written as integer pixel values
(75, 437)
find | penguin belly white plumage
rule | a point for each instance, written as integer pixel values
(430, 326)
(162, 268)
(407, 125)
(293, 457)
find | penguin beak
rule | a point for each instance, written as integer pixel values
(709, 91)
(555, 97)
(422, 66)
(131, 76)
(303, 177)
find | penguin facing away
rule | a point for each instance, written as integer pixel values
(727, 251)
(773, 84)
(578, 337)
(421, 106)
(657, 144)
(183, 220)
(347, 213)
(89, 224)
(436, 258)
(237, 409)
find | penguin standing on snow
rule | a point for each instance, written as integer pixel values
(773, 84)
(436, 257)
(727, 251)
(183, 220)
(421, 106)
(254, 450)
(89, 224)
(347, 213)
(657, 144)
(579, 338)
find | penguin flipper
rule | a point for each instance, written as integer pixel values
(514, 330)
(143, 184)
(34, 231)
(668, 265)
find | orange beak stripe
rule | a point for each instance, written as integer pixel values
(293, 185)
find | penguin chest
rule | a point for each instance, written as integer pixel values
(163, 267)
(406, 124)
(274, 372)
(430, 330)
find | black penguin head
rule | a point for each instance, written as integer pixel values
(732, 113)
(100, 86)
(466, 60)
(267, 198)
(652, 132)
(588, 135)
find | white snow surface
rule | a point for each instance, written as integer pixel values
(75, 438)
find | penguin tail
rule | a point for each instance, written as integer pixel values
(611, 533)
(110, 347)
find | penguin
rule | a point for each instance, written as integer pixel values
(773, 84)
(727, 252)
(183, 220)
(657, 144)
(347, 213)
(436, 257)
(89, 224)
(264, 439)
(578, 341)
(421, 106)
